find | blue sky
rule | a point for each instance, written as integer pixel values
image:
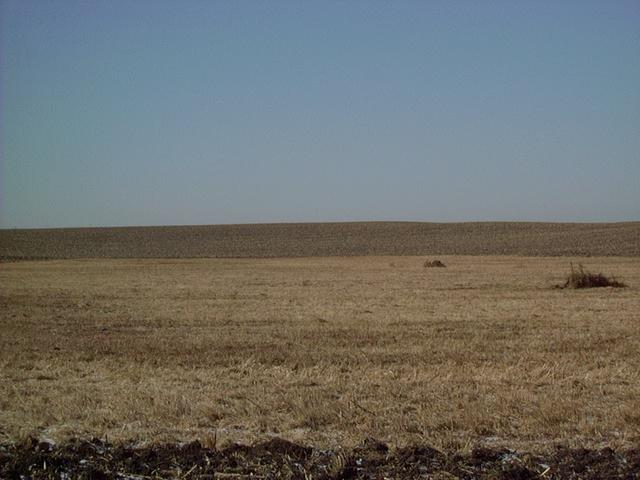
(197, 112)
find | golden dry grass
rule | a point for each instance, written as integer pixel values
(322, 350)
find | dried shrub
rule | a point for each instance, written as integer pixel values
(434, 264)
(581, 278)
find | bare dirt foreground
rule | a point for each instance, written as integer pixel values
(480, 369)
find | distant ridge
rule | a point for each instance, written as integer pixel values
(325, 239)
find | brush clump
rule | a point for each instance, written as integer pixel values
(581, 278)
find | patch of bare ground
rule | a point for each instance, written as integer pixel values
(325, 239)
(279, 458)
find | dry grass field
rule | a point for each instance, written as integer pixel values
(324, 351)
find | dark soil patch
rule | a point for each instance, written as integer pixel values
(18, 258)
(277, 458)
(324, 240)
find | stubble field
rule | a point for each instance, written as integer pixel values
(324, 351)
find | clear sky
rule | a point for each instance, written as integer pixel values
(195, 112)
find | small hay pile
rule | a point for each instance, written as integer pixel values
(434, 264)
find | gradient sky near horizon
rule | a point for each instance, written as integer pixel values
(156, 112)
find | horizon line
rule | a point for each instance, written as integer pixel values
(177, 225)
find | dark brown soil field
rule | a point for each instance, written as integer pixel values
(325, 239)
(279, 458)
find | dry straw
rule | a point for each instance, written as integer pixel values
(434, 264)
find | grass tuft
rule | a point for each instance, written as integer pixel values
(581, 278)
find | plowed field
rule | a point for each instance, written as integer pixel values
(326, 239)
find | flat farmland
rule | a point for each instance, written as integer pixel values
(324, 351)
(325, 239)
